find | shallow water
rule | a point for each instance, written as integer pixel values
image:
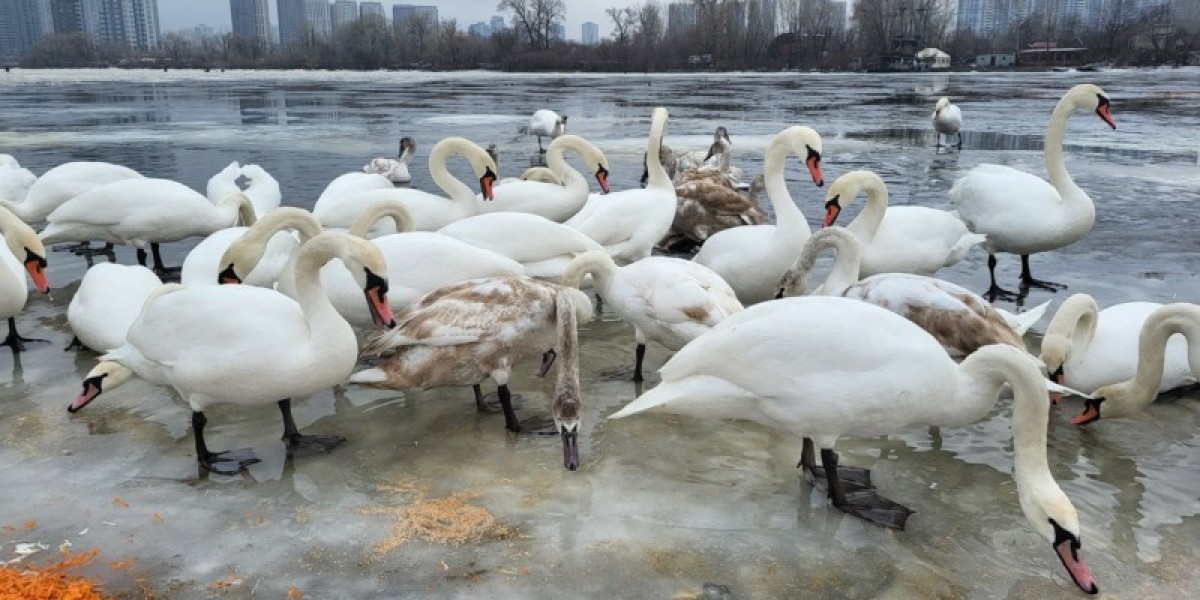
(662, 505)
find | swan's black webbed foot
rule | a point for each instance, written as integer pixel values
(17, 341)
(539, 426)
(864, 503)
(230, 462)
(490, 404)
(996, 292)
(814, 474)
(75, 344)
(1030, 282)
(308, 445)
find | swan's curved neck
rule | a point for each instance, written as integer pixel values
(787, 215)
(18, 235)
(16, 208)
(322, 317)
(382, 209)
(567, 382)
(597, 263)
(1056, 131)
(1152, 347)
(866, 224)
(1076, 322)
(458, 192)
(981, 376)
(847, 256)
(299, 220)
(658, 177)
(557, 161)
(235, 206)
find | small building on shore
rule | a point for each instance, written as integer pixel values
(1004, 60)
(932, 59)
(1048, 54)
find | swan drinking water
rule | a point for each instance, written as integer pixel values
(1023, 214)
(20, 252)
(947, 119)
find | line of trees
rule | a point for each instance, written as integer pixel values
(720, 34)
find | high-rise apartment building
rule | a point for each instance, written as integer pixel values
(251, 19)
(681, 18)
(591, 33)
(22, 24)
(497, 23)
(132, 23)
(993, 17)
(373, 9)
(300, 19)
(342, 13)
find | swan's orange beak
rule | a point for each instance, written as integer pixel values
(228, 276)
(36, 265)
(833, 208)
(813, 162)
(1067, 547)
(486, 182)
(1090, 414)
(1058, 378)
(1103, 111)
(377, 303)
(602, 178)
(91, 389)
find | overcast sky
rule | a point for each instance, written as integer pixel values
(182, 14)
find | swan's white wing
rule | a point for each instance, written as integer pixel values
(998, 198)
(348, 184)
(520, 236)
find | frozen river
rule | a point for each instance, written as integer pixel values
(661, 505)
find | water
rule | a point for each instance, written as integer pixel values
(662, 505)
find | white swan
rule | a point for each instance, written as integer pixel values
(348, 184)
(669, 300)
(543, 247)
(202, 266)
(555, 202)
(143, 211)
(801, 365)
(545, 123)
(1135, 394)
(15, 180)
(395, 169)
(463, 334)
(752, 258)
(960, 320)
(430, 212)
(21, 252)
(630, 222)
(246, 345)
(898, 239)
(1023, 214)
(418, 262)
(108, 300)
(947, 119)
(62, 183)
(263, 190)
(1087, 348)
(717, 159)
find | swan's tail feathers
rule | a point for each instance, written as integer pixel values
(963, 246)
(1024, 321)
(369, 376)
(658, 397)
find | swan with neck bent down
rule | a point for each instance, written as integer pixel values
(752, 258)
(246, 345)
(800, 365)
(430, 212)
(1136, 393)
(1087, 348)
(555, 202)
(1023, 214)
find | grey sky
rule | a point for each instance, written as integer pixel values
(181, 14)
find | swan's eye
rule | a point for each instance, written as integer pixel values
(375, 282)
(1103, 101)
(34, 258)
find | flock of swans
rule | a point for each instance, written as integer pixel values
(464, 286)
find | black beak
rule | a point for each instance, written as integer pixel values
(228, 276)
(547, 362)
(570, 449)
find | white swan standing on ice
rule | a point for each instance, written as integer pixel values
(801, 365)
(898, 239)
(1023, 214)
(545, 123)
(947, 119)
(246, 345)
(753, 258)
(21, 252)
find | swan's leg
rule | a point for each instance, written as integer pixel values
(815, 474)
(960, 140)
(76, 344)
(996, 291)
(163, 271)
(15, 340)
(510, 417)
(320, 444)
(863, 503)
(221, 463)
(1027, 280)
(485, 404)
(141, 256)
(638, 354)
(86, 249)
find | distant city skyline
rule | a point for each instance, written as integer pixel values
(179, 15)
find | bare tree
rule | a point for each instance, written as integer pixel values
(535, 19)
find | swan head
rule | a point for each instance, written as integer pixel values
(104, 376)
(1054, 518)
(806, 142)
(1111, 401)
(24, 244)
(486, 169)
(1086, 96)
(942, 103)
(566, 409)
(845, 190)
(408, 147)
(1056, 349)
(368, 267)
